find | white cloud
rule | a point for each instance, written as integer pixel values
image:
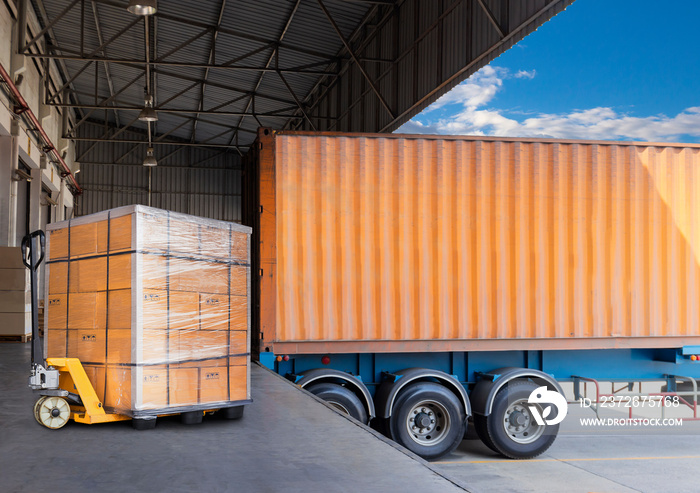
(475, 117)
(525, 74)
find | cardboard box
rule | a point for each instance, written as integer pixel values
(11, 258)
(154, 309)
(120, 274)
(16, 324)
(87, 275)
(199, 276)
(199, 344)
(214, 243)
(86, 310)
(213, 384)
(240, 246)
(56, 314)
(238, 381)
(213, 312)
(118, 348)
(239, 313)
(14, 279)
(55, 343)
(153, 271)
(58, 277)
(184, 237)
(57, 243)
(88, 239)
(238, 342)
(184, 311)
(15, 301)
(120, 234)
(119, 309)
(184, 386)
(88, 345)
(239, 280)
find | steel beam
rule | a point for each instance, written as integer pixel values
(357, 62)
(211, 60)
(492, 19)
(251, 101)
(49, 25)
(154, 142)
(269, 114)
(136, 62)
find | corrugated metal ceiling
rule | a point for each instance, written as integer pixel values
(409, 52)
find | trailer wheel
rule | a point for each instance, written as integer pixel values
(511, 427)
(427, 419)
(340, 398)
(52, 412)
(480, 424)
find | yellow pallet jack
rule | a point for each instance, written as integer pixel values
(64, 388)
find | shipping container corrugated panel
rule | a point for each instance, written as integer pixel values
(408, 243)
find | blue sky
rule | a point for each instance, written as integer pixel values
(602, 69)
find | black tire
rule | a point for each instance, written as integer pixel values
(480, 425)
(143, 424)
(235, 412)
(191, 417)
(508, 444)
(341, 398)
(438, 409)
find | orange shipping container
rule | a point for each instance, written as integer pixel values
(389, 243)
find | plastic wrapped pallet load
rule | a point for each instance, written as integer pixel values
(156, 306)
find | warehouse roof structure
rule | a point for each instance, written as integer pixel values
(214, 71)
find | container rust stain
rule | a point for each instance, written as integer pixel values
(393, 240)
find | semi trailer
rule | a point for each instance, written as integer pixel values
(424, 284)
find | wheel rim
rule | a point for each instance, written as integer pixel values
(339, 407)
(428, 423)
(519, 424)
(53, 412)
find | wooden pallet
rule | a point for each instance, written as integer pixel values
(18, 338)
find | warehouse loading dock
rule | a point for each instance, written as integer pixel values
(287, 441)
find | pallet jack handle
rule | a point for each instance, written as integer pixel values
(33, 246)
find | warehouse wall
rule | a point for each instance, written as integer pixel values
(194, 180)
(25, 205)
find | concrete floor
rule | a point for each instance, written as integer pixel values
(585, 459)
(286, 441)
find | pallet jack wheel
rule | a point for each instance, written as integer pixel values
(191, 417)
(37, 404)
(52, 412)
(235, 412)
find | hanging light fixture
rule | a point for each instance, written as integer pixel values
(142, 7)
(148, 113)
(150, 158)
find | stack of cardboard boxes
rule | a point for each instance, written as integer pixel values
(15, 297)
(155, 305)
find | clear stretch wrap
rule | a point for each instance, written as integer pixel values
(156, 306)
